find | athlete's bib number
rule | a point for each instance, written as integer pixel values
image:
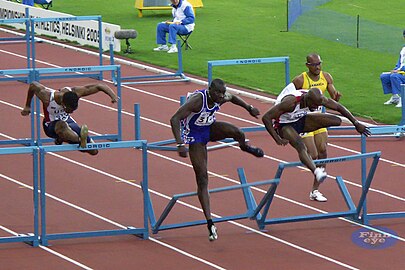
(205, 119)
(60, 115)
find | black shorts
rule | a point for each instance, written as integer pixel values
(297, 125)
(49, 128)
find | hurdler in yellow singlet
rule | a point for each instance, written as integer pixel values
(322, 84)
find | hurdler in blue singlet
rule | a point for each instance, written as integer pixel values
(196, 127)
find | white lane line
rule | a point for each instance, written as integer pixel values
(66, 258)
(252, 122)
(198, 209)
(98, 216)
(168, 198)
(140, 66)
(60, 255)
(186, 253)
(183, 203)
(277, 196)
(177, 101)
(266, 156)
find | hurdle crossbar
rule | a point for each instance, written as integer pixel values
(376, 131)
(250, 61)
(248, 197)
(23, 75)
(29, 238)
(177, 76)
(140, 232)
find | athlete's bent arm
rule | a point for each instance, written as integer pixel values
(336, 106)
(267, 119)
(90, 89)
(287, 105)
(240, 102)
(40, 91)
(334, 94)
(193, 104)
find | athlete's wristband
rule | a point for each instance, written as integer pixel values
(180, 144)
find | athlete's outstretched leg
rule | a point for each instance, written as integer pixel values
(223, 130)
(320, 120)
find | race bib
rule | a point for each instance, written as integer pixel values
(205, 119)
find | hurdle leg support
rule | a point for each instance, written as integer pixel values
(353, 212)
(248, 197)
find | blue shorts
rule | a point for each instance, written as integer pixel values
(49, 128)
(297, 125)
(197, 135)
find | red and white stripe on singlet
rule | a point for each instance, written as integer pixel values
(53, 111)
(297, 113)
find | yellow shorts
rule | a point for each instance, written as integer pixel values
(313, 133)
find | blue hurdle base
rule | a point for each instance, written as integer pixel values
(353, 212)
(262, 222)
(29, 238)
(130, 230)
(248, 196)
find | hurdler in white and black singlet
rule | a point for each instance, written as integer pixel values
(54, 112)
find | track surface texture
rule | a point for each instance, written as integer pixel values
(88, 193)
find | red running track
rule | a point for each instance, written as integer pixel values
(95, 193)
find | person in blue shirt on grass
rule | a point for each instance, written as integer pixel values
(182, 23)
(391, 81)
